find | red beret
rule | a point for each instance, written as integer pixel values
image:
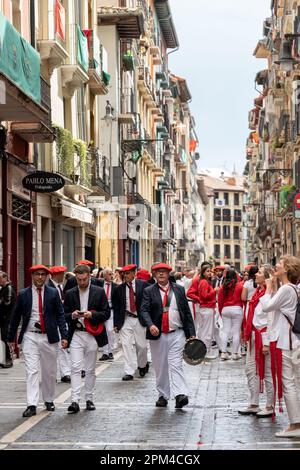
(143, 274)
(58, 269)
(38, 267)
(85, 261)
(129, 267)
(161, 266)
(219, 268)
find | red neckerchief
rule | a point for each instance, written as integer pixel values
(248, 324)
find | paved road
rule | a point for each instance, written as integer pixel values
(126, 417)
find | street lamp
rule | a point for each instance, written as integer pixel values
(109, 113)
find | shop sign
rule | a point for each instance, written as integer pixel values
(43, 182)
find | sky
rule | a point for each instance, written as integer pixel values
(217, 39)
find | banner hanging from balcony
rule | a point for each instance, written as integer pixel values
(19, 61)
(82, 48)
(60, 20)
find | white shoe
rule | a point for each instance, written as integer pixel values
(264, 413)
(285, 433)
(250, 410)
(235, 357)
(224, 356)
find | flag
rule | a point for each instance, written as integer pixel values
(60, 20)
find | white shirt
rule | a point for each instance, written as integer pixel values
(35, 313)
(174, 316)
(84, 301)
(127, 295)
(260, 317)
(250, 289)
(57, 288)
(284, 302)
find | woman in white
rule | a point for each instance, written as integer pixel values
(247, 293)
(258, 366)
(279, 340)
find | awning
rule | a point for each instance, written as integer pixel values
(73, 211)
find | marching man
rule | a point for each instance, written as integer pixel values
(56, 281)
(127, 300)
(86, 309)
(109, 288)
(42, 314)
(166, 313)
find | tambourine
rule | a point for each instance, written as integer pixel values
(194, 352)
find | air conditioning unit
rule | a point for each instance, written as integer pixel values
(219, 202)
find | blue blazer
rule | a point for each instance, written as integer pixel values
(54, 316)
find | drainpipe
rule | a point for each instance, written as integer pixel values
(32, 23)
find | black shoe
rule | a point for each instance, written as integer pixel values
(82, 374)
(162, 402)
(181, 400)
(90, 405)
(147, 367)
(142, 371)
(49, 405)
(30, 411)
(7, 365)
(111, 356)
(66, 379)
(73, 408)
(127, 377)
(104, 357)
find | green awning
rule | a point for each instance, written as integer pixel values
(82, 49)
(19, 61)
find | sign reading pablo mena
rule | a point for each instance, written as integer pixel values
(43, 182)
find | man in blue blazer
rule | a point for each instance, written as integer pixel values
(42, 314)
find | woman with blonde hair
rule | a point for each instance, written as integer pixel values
(279, 340)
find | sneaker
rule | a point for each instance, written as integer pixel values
(265, 413)
(286, 433)
(104, 357)
(235, 357)
(224, 356)
(250, 410)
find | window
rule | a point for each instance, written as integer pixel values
(216, 196)
(226, 198)
(236, 233)
(236, 199)
(217, 215)
(226, 214)
(217, 232)
(237, 215)
(226, 232)
(237, 251)
(217, 251)
(227, 252)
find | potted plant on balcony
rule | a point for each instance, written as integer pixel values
(128, 61)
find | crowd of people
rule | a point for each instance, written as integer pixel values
(64, 318)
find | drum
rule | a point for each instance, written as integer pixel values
(194, 352)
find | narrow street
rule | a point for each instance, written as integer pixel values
(126, 418)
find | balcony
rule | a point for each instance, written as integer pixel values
(53, 54)
(37, 132)
(96, 83)
(101, 174)
(20, 86)
(72, 78)
(129, 21)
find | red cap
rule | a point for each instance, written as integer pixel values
(161, 266)
(143, 274)
(58, 269)
(85, 261)
(129, 267)
(219, 268)
(38, 267)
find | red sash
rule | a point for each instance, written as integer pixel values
(259, 357)
(276, 370)
(252, 306)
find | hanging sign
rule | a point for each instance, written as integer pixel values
(43, 182)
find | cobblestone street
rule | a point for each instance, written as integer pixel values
(126, 417)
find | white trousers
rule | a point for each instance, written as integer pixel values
(167, 361)
(38, 352)
(133, 332)
(109, 326)
(64, 362)
(83, 351)
(217, 329)
(205, 326)
(289, 388)
(253, 378)
(232, 320)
